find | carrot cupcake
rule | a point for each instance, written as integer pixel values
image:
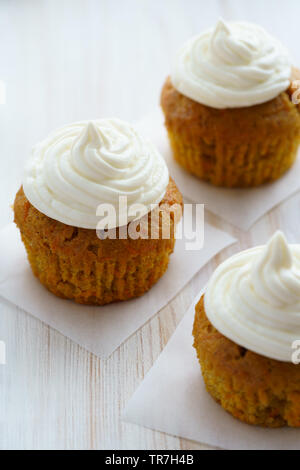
(245, 329)
(82, 170)
(228, 106)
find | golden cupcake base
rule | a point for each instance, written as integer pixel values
(250, 168)
(73, 263)
(238, 147)
(252, 388)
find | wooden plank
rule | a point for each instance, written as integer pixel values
(71, 60)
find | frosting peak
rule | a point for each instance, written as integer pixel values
(89, 135)
(233, 65)
(229, 48)
(253, 298)
(276, 254)
(274, 276)
(89, 163)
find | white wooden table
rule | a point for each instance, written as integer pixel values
(67, 60)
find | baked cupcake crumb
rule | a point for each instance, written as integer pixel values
(253, 388)
(73, 263)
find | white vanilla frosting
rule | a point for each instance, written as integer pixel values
(233, 65)
(253, 298)
(89, 163)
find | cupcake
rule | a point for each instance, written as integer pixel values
(73, 172)
(228, 106)
(245, 329)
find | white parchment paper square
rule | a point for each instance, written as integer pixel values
(99, 329)
(173, 399)
(240, 207)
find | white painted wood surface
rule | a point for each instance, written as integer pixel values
(66, 60)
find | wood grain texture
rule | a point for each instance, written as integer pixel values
(66, 60)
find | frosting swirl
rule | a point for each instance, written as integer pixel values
(237, 64)
(89, 163)
(253, 298)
